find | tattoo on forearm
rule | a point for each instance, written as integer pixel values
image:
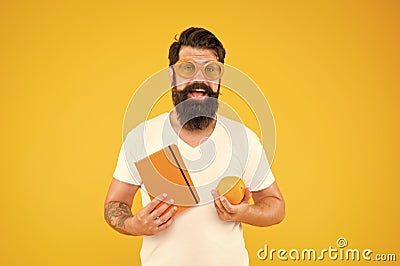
(115, 214)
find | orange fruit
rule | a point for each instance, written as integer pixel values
(232, 188)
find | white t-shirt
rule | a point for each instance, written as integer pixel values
(197, 236)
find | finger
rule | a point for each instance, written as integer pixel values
(219, 212)
(226, 205)
(153, 204)
(247, 195)
(217, 202)
(164, 217)
(223, 215)
(216, 206)
(161, 209)
(215, 194)
(165, 225)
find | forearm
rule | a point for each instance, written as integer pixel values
(116, 214)
(266, 212)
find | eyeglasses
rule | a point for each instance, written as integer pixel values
(187, 68)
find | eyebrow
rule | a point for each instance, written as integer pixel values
(199, 61)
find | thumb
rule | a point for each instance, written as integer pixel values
(247, 195)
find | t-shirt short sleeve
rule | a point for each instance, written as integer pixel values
(257, 174)
(126, 171)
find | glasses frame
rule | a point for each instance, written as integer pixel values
(199, 66)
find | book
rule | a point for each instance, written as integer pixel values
(165, 172)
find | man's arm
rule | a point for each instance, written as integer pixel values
(268, 207)
(118, 204)
(148, 221)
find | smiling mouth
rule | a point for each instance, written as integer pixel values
(198, 93)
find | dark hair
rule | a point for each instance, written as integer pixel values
(197, 38)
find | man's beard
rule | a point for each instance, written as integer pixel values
(195, 114)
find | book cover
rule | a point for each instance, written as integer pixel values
(165, 172)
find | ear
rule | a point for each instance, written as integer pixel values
(171, 75)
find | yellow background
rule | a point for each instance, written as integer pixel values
(329, 69)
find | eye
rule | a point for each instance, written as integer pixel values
(187, 66)
(186, 69)
(212, 70)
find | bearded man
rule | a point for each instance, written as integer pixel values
(213, 146)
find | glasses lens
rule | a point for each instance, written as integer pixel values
(186, 69)
(213, 70)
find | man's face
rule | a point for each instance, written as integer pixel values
(196, 97)
(200, 56)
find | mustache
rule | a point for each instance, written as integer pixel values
(199, 86)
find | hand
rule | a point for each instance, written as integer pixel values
(151, 219)
(230, 212)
